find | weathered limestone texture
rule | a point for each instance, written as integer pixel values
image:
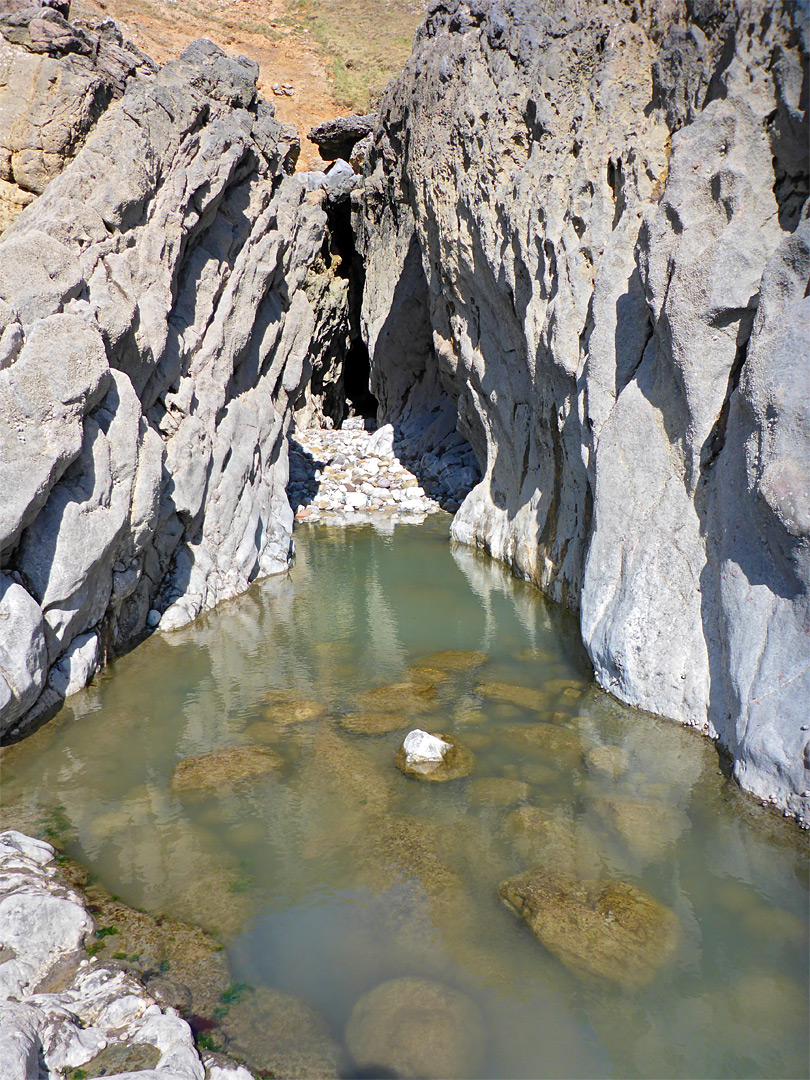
(155, 331)
(60, 1010)
(56, 79)
(587, 243)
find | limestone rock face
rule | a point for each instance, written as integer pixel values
(586, 250)
(156, 328)
(61, 1012)
(56, 80)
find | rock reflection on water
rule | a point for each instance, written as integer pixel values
(331, 873)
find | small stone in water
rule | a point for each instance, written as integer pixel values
(422, 746)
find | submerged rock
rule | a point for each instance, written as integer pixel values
(402, 697)
(416, 1028)
(499, 791)
(279, 1032)
(452, 660)
(233, 765)
(551, 838)
(296, 712)
(525, 697)
(610, 929)
(560, 745)
(371, 723)
(609, 761)
(428, 675)
(430, 757)
(648, 828)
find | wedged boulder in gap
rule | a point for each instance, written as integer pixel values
(224, 768)
(281, 1033)
(413, 1027)
(424, 756)
(337, 138)
(609, 929)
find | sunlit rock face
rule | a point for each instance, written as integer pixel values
(156, 328)
(586, 247)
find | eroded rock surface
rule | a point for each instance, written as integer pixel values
(56, 79)
(59, 1010)
(586, 252)
(156, 328)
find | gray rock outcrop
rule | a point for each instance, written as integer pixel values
(156, 328)
(60, 1010)
(56, 80)
(586, 250)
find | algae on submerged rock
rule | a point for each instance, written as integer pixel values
(413, 1027)
(609, 929)
(280, 1033)
(232, 765)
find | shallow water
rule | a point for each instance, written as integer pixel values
(336, 872)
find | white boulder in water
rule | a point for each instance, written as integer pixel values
(422, 746)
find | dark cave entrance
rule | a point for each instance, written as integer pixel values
(356, 364)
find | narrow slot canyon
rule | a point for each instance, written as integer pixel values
(404, 531)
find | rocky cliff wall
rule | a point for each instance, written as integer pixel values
(156, 328)
(56, 80)
(585, 243)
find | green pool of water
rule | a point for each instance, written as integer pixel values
(335, 872)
